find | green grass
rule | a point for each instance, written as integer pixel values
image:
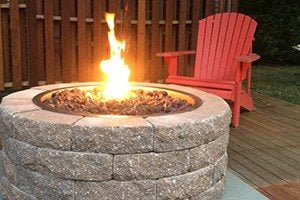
(281, 82)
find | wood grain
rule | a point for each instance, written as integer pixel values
(15, 44)
(81, 38)
(1, 56)
(32, 36)
(49, 41)
(265, 149)
(66, 40)
(141, 41)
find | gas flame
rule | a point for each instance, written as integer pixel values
(115, 68)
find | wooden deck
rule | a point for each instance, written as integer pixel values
(264, 151)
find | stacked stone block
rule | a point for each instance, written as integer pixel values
(51, 155)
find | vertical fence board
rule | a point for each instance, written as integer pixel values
(128, 34)
(31, 43)
(49, 41)
(66, 40)
(209, 7)
(181, 35)
(6, 46)
(155, 40)
(81, 38)
(15, 44)
(23, 34)
(98, 11)
(73, 45)
(89, 65)
(221, 5)
(113, 5)
(57, 41)
(40, 42)
(169, 28)
(1, 55)
(234, 5)
(141, 50)
(197, 14)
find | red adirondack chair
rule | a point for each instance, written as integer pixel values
(223, 60)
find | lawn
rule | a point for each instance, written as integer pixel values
(281, 82)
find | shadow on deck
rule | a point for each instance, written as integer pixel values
(264, 151)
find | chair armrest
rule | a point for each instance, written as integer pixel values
(245, 65)
(249, 58)
(174, 53)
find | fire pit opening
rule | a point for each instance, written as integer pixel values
(141, 101)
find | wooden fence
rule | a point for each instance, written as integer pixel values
(48, 41)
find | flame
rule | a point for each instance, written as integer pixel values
(115, 68)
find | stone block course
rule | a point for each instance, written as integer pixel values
(150, 165)
(113, 136)
(213, 193)
(20, 153)
(186, 185)
(133, 190)
(209, 153)
(220, 168)
(62, 164)
(29, 127)
(9, 191)
(37, 185)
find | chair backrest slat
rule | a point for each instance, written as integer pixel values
(213, 45)
(207, 42)
(221, 38)
(200, 48)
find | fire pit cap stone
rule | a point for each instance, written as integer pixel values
(153, 133)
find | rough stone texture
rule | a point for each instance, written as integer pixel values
(209, 153)
(20, 153)
(43, 128)
(150, 165)
(115, 190)
(11, 192)
(37, 185)
(177, 156)
(213, 193)
(113, 135)
(220, 168)
(191, 129)
(182, 137)
(184, 186)
(62, 164)
(75, 165)
(6, 127)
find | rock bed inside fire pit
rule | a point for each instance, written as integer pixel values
(140, 102)
(50, 155)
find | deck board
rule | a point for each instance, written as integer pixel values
(264, 151)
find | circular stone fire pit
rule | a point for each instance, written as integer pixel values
(52, 155)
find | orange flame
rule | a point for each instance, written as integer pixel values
(115, 68)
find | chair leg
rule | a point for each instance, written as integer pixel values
(236, 107)
(236, 114)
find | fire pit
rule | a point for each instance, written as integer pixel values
(141, 101)
(52, 154)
